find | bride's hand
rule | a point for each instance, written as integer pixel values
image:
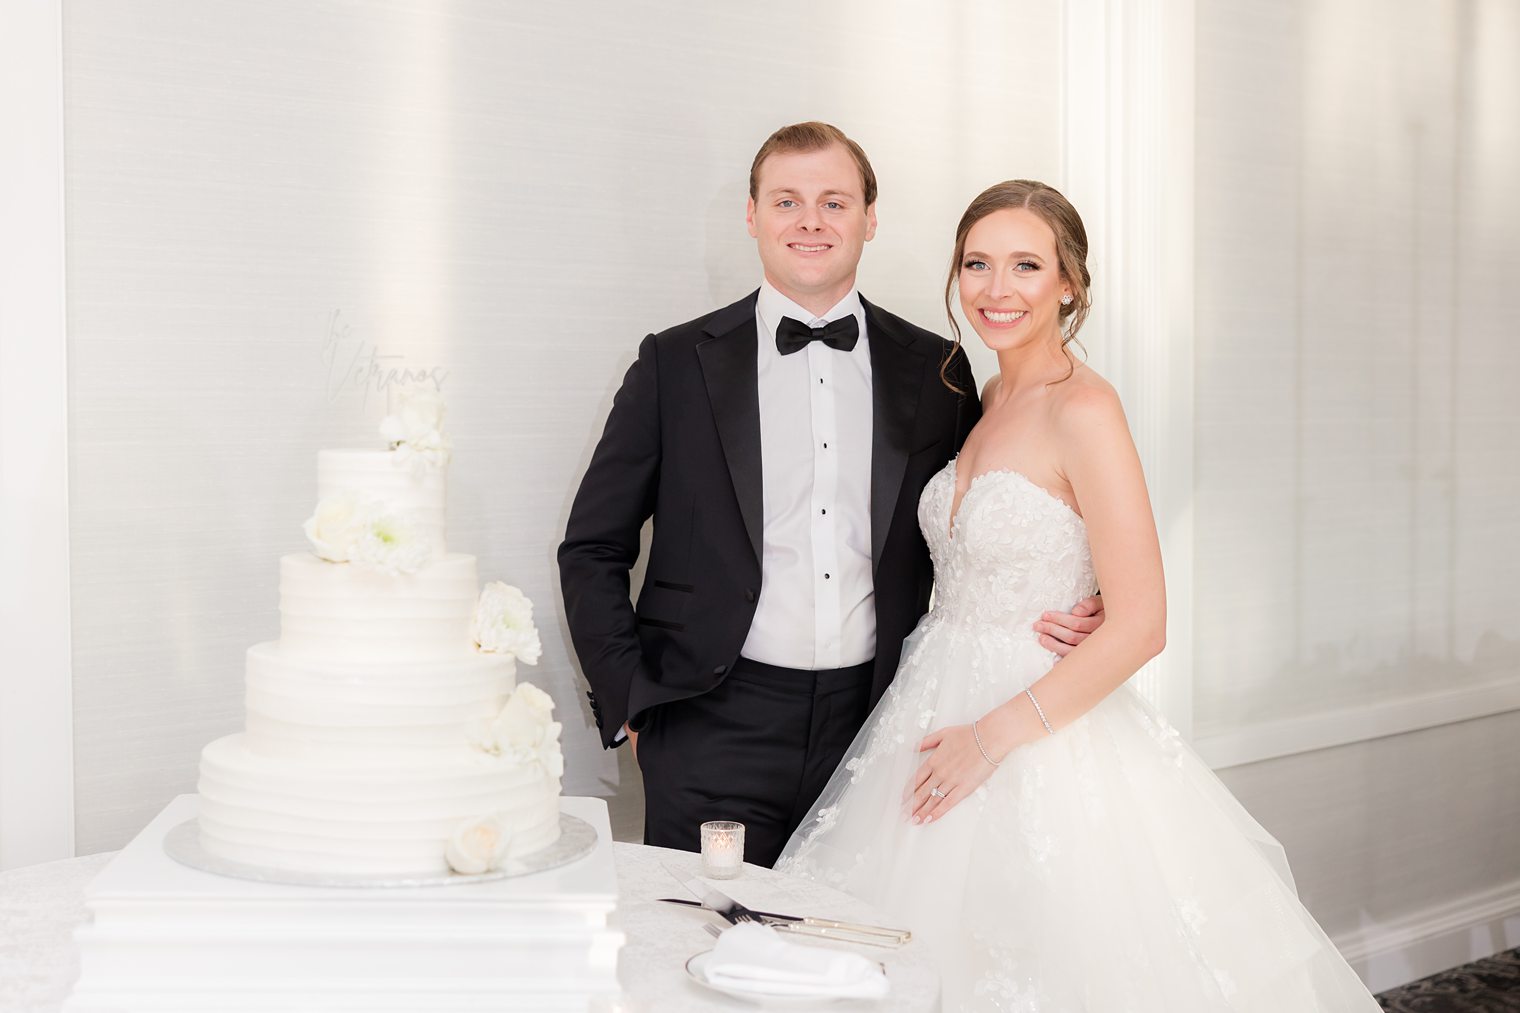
(956, 768)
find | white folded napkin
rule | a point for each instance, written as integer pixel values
(754, 958)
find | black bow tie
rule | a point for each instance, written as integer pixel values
(794, 335)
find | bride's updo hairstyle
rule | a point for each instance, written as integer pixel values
(1071, 252)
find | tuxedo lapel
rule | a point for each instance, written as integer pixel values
(896, 382)
(728, 358)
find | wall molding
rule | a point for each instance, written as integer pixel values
(1127, 165)
(36, 685)
(1269, 740)
(1442, 936)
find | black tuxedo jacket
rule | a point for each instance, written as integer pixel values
(682, 443)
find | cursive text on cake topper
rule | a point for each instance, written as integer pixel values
(353, 363)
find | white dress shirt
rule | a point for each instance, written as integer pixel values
(817, 604)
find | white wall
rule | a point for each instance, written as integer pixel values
(1402, 846)
(1356, 364)
(515, 194)
(36, 707)
(1357, 544)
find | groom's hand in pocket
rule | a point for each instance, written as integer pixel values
(633, 742)
(1061, 631)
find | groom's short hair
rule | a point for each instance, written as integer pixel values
(812, 136)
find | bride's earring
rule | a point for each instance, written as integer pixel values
(1066, 300)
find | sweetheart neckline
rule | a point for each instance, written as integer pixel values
(955, 512)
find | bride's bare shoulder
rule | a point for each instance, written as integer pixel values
(1085, 400)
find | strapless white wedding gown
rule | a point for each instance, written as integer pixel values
(1104, 869)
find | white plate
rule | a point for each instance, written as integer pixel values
(696, 969)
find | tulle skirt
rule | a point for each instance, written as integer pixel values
(1104, 869)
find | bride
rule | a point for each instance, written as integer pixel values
(1039, 824)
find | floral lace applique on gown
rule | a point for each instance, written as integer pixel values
(1104, 869)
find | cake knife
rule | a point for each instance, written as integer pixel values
(733, 912)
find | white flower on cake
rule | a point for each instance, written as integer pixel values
(333, 529)
(415, 430)
(503, 623)
(524, 731)
(349, 528)
(478, 845)
(390, 541)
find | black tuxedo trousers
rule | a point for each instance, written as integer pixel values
(757, 748)
(682, 445)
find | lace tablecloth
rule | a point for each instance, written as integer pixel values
(40, 906)
(662, 937)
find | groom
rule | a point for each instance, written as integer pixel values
(781, 444)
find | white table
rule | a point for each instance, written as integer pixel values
(661, 937)
(40, 906)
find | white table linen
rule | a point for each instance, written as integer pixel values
(41, 905)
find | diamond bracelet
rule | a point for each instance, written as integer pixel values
(978, 736)
(1041, 712)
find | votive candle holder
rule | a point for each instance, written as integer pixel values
(722, 849)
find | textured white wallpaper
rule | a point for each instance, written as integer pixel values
(1358, 240)
(272, 206)
(1358, 250)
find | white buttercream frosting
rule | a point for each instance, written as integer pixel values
(354, 613)
(345, 710)
(382, 474)
(381, 818)
(362, 746)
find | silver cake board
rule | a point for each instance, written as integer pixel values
(165, 936)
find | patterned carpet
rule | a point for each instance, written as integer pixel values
(1487, 986)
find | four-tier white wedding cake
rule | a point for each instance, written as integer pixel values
(386, 734)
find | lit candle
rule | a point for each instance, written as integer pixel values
(722, 849)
